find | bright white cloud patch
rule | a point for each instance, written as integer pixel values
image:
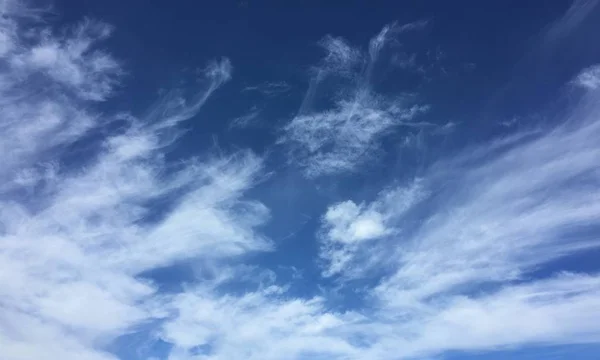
(348, 227)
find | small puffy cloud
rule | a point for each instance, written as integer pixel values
(349, 223)
(347, 229)
(589, 78)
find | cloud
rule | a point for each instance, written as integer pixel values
(270, 88)
(246, 120)
(72, 61)
(344, 135)
(348, 228)
(457, 263)
(589, 78)
(75, 235)
(340, 56)
(577, 13)
(460, 259)
(175, 107)
(558, 310)
(262, 324)
(269, 324)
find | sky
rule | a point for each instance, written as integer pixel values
(274, 180)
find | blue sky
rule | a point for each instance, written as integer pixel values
(299, 180)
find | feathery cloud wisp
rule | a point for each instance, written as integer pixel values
(343, 136)
(452, 261)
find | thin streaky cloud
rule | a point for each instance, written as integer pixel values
(270, 88)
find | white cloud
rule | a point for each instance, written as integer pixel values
(575, 15)
(79, 225)
(589, 78)
(344, 136)
(72, 61)
(268, 324)
(270, 88)
(340, 139)
(246, 120)
(347, 227)
(562, 309)
(500, 211)
(340, 56)
(520, 209)
(559, 310)
(75, 235)
(257, 325)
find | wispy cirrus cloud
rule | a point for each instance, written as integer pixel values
(501, 211)
(457, 276)
(246, 120)
(261, 324)
(452, 261)
(270, 88)
(345, 133)
(74, 238)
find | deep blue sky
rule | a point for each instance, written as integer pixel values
(363, 179)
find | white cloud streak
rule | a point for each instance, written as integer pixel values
(270, 88)
(74, 238)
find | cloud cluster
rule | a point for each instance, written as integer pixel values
(501, 212)
(343, 135)
(457, 250)
(78, 224)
